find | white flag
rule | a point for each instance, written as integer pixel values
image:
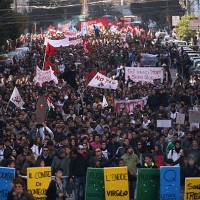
(101, 81)
(16, 98)
(104, 103)
(45, 76)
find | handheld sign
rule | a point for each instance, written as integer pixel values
(38, 179)
(95, 184)
(116, 183)
(148, 184)
(170, 183)
(192, 188)
(6, 177)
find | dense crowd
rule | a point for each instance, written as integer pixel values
(79, 132)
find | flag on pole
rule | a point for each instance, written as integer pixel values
(50, 50)
(104, 103)
(101, 81)
(52, 30)
(86, 46)
(16, 98)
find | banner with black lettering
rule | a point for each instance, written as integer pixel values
(38, 179)
(95, 184)
(6, 177)
(116, 183)
(192, 188)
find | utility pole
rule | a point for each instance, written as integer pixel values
(15, 5)
(122, 7)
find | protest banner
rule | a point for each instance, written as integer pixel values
(194, 116)
(45, 76)
(130, 104)
(149, 59)
(101, 81)
(148, 184)
(38, 179)
(6, 176)
(89, 75)
(144, 74)
(95, 184)
(164, 123)
(192, 188)
(170, 183)
(116, 183)
(180, 118)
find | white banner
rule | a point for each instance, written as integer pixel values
(16, 98)
(57, 43)
(45, 76)
(101, 81)
(63, 42)
(130, 104)
(144, 74)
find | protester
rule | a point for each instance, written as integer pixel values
(79, 129)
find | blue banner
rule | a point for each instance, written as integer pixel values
(6, 177)
(170, 183)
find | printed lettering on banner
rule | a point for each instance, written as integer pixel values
(101, 81)
(192, 189)
(116, 183)
(130, 104)
(6, 176)
(164, 123)
(170, 183)
(38, 179)
(143, 74)
(194, 116)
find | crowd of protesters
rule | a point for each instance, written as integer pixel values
(79, 132)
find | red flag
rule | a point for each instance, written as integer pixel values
(48, 64)
(52, 30)
(50, 50)
(86, 47)
(135, 30)
(129, 28)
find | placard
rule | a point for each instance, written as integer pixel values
(170, 183)
(194, 116)
(164, 123)
(6, 176)
(38, 179)
(116, 183)
(144, 74)
(192, 190)
(95, 184)
(175, 20)
(148, 184)
(180, 118)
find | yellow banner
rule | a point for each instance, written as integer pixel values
(38, 180)
(116, 183)
(192, 188)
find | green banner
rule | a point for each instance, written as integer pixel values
(95, 184)
(148, 184)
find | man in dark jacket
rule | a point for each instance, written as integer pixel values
(45, 156)
(149, 164)
(78, 169)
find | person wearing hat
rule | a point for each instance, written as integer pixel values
(131, 160)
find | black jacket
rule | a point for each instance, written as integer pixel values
(78, 165)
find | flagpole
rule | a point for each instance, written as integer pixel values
(44, 60)
(7, 105)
